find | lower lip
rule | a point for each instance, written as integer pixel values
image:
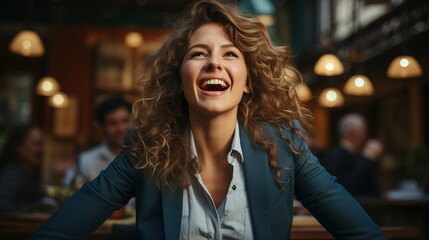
(212, 93)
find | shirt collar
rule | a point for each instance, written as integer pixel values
(235, 145)
(105, 152)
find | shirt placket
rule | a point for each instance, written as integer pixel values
(212, 216)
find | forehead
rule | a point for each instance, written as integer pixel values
(117, 112)
(209, 33)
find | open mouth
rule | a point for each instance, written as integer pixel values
(213, 85)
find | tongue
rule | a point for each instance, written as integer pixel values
(213, 87)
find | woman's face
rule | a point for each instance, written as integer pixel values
(31, 149)
(213, 72)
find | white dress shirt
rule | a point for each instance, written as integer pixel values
(201, 219)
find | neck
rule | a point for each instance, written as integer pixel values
(213, 136)
(348, 145)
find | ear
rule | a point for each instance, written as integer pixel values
(246, 89)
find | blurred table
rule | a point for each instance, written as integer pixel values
(307, 227)
(399, 212)
(21, 226)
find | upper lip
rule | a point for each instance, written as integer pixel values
(202, 80)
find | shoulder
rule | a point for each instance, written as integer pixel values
(289, 133)
(12, 172)
(12, 168)
(92, 153)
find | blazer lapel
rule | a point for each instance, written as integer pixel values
(172, 212)
(256, 174)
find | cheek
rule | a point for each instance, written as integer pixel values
(187, 79)
(240, 75)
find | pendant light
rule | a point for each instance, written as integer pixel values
(295, 78)
(329, 64)
(404, 66)
(267, 20)
(359, 85)
(47, 86)
(27, 42)
(58, 100)
(303, 91)
(331, 97)
(134, 39)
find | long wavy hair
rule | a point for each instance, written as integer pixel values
(160, 123)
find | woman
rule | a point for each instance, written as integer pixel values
(21, 157)
(218, 145)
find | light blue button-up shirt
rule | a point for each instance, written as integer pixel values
(201, 219)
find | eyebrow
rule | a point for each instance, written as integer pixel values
(205, 46)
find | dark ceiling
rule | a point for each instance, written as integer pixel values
(139, 12)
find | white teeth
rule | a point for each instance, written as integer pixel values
(215, 82)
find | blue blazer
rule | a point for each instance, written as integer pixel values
(159, 212)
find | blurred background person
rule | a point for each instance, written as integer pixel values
(20, 163)
(113, 116)
(352, 162)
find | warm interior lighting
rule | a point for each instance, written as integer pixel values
(267, 20)
(328, 65)
(47, 86)
(58, 100)
(304, 92)
(27, 43)
(133, 39)
(359, 85)
(331, 97)
(404, 67)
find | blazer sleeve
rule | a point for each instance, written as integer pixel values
(89, 207)
(328, 201)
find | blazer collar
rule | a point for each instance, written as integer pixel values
(256, 174)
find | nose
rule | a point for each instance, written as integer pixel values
(214, 65)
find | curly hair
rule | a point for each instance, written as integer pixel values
(160, 118)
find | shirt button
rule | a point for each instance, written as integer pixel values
(234, 187)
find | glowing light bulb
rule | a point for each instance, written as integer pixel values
(329, 66)
(26, 45)
(134, 39)
(359, 82)
(58, 99)
(404, 62)
(47, 86)
(331, 96)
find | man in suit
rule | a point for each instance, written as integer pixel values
(352, 162)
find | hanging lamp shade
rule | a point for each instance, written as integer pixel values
(359, 85)
(304, 92)
(328, 65)
(404, 67)
(331, 97)
(133, 39)
(27, 43)
(58, 100)
(47, 86)
(267, 20)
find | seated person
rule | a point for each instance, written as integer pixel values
(113, 115)
(352, 162)
(21, 160)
